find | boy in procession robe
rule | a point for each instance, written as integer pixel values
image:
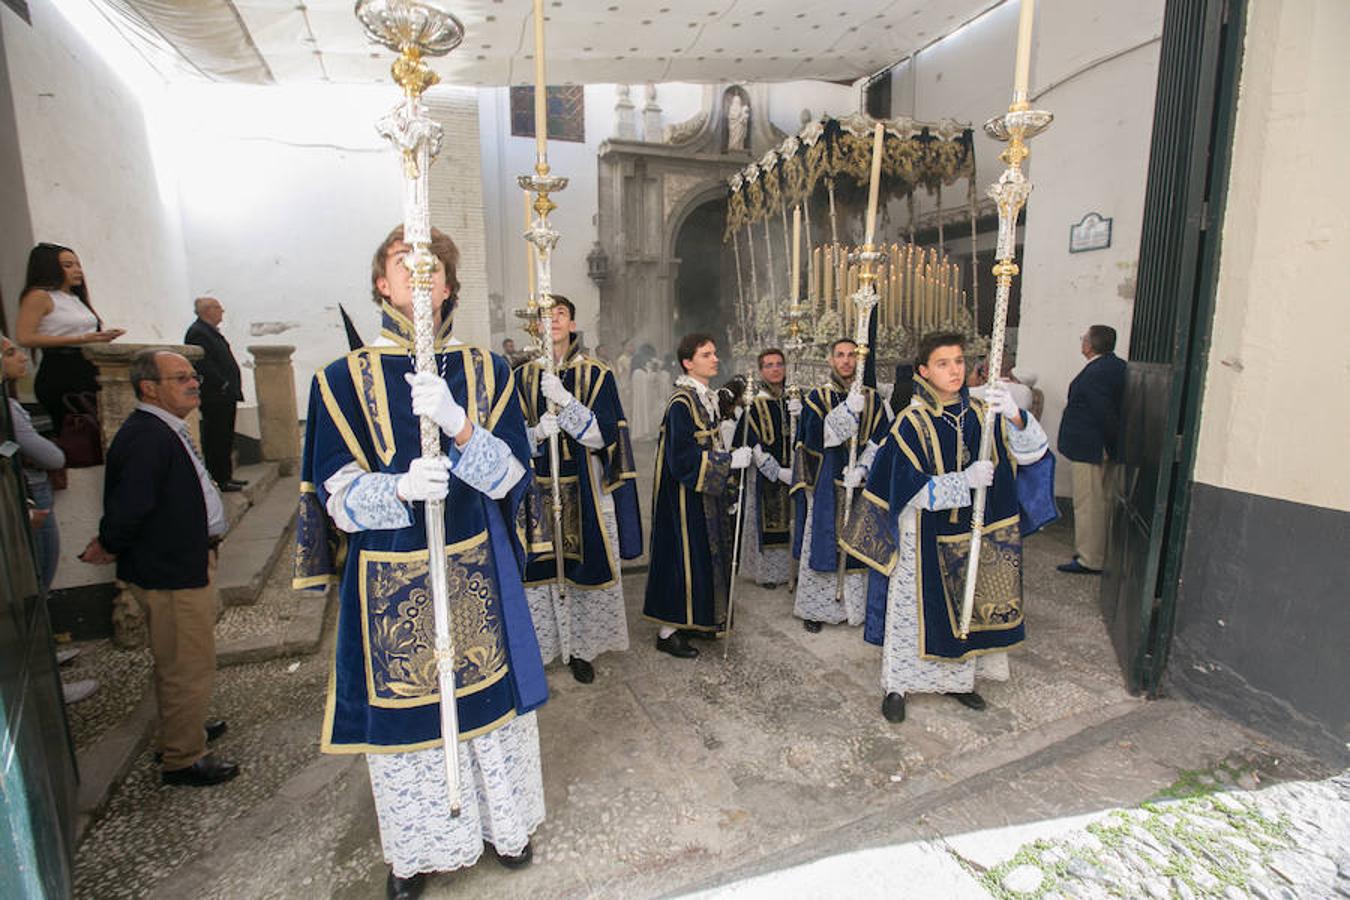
(600, 517)
(361, 523)
(912, 526)
(764, 551)
(690, 572)
(832, 415)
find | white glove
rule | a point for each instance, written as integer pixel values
(979, 474)
(426, 479)
(431, 398)
(547, 427)
(1000, 400)
(554, 391)
(854, 477)
(785, 475)
(728, 432)
(740, 457)
(794, 407)
(855, 402)
(760, 455)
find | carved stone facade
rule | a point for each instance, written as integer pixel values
(647, 192)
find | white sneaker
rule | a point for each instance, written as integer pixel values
(75, 691)
(66, 654)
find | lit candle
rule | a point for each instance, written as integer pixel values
(1022, 72)
(540, 92)
(796, 253)
(529, 250)
(875, 185)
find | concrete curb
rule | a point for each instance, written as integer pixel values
(299, 636)
(103, 765)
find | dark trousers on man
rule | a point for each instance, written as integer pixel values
(218, 439)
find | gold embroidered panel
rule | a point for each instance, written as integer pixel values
(774, 511)
(570, 488)
(998, 586)
(398, 627)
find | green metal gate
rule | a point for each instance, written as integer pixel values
(37, 762)
(1169, 340)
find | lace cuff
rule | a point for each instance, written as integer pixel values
(486, 464)
(868, 454)
(840, 425)
(948, 491)
(577, 420)
(365, 501)
(769, 467)
(1028, 443)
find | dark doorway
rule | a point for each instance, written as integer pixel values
(699, 304)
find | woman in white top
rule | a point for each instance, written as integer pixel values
(55, 317)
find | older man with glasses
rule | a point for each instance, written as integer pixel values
(162, 519)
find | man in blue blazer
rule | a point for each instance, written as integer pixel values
(162, 518)
(1087, 438)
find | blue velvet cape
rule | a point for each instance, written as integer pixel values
(383, 694)
(921, 444)
(586, 557)
(690, 571)
(820, 470)
(767, 424)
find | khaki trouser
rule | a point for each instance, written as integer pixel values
(1093, 484)
(182, 640)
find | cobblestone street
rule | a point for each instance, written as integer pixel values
(770, 775)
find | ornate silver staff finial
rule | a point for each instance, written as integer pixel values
(1017, 126)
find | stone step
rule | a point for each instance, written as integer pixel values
(260, 478)
(256, 541)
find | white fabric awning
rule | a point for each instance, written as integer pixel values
(589, 41)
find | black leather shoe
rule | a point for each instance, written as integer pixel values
(893, 708)
(230, 487)
(204, 772)
(694, 635)
(582, 671)
(677, 645)
(214, 729)
(813, 626)
(971, 700)
(519, 861)
(239, 481)
(1074, 567)
(405, 888)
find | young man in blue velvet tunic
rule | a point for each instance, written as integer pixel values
(912, 526)
(690, 572)
(597, 484)
(833, 415)
(362, 524)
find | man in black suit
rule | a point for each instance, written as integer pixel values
(162, 518)
(1087, 438)
(222, 390)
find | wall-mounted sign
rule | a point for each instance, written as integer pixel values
(1091, 233)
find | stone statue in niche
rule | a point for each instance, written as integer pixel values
(738, 121)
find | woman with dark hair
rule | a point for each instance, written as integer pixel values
(56, 317)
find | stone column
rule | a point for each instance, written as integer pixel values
(278, 421)
(116, 400)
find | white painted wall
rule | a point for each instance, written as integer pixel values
(94, 171)
(286, 192)
(1273, 419)
(1094, 65)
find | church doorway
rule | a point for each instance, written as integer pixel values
(702, 289)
